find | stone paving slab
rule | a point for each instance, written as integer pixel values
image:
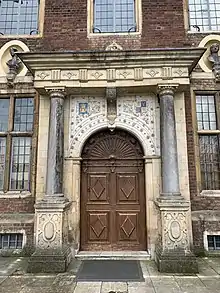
(13, 279)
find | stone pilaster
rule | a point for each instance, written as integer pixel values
(52, 252)
(173, 252)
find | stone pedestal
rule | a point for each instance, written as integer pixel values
(52, 254)
(173, 253)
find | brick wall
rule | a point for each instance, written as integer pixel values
(65, 27)
(13, 205)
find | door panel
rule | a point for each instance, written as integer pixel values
(127, 189)
(97, 187)
(127, 227)
(98, 225)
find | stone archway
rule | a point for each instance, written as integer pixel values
(113, 201)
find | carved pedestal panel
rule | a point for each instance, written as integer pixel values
(52, 252)
(173, 248)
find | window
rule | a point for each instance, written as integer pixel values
(204, 15)
(213, 242)
(19, 17)
(209, 148)
(114, 16)
(16, 129)
(12, 241)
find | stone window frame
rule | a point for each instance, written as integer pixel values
(90, 21)
(6, 192)
(40, 26)
(197, 133)
(187, 21)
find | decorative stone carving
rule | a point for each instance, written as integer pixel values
(124, 74)
(138, 73)
(55, 75)
(83, 75)
(43, 75)
(86, 113)
(167, 73)
(14, 65)
(114, 47)
(49, 230)
(111, 96)
(135, 114)
(152, 73)
(214, 58)
(139, 113)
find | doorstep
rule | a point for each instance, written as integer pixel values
(113, 255)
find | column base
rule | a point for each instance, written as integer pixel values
(49, 260)
(176, 261)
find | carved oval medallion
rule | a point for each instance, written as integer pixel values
(175, 230)
(49, 230)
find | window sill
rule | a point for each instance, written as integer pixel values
(15, 194)
(91, 35)
(211, 193)
(21, 36)
(203, 32)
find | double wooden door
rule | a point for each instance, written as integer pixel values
(112, 195)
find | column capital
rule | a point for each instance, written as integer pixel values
(56, 92)
(166, 89)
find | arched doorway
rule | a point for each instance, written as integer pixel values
(113, 202)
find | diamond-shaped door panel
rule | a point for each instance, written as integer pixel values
(127, 224)
(98, 226)
(127, 187)
(97, 189)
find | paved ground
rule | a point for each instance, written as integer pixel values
(13, 279)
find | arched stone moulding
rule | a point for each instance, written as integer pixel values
(209, 40)
(5, 56)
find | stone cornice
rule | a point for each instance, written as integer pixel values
(185, 57)
(121, 69)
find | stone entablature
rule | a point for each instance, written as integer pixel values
(110, 68)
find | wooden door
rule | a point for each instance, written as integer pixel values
(112, 193)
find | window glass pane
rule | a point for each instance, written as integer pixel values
(206, 112)
(2, 160)
(4, 109)
(114, 16)
(204, 15)
(23, 114)
(20, 163)
(209, 161)
(19, 16)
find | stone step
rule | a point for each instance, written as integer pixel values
(113, 255)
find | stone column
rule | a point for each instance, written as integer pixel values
(54, 183)
(52, 253)
(173, 252)
(169, 160)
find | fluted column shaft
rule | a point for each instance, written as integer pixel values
(54, 183)
(169, 159)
